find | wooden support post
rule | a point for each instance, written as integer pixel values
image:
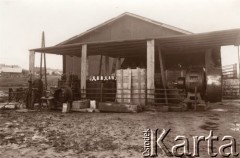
(45, 63)
(162, 68)
(72, 68)
(41, 56)
(100, 67)
(163, 77)
(122, 91)
(31, 62)
(150, 71)
(101, 93)
(129, 88)
(45, 70)
(139, 86)
(64, 63)
(113, 68)
(30, 100)
(118, 63)
(106, 65)
(83, 71)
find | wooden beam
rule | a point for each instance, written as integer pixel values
(119, 63)
(100, 67)
(107, 51)
(121, 42)
(162, 68)
(31, 62)
(114, 65)
(64, 63)
(83, 71)
(102, 48)
(72, 65)
(45, 62)
(139, 86)
(106, 65)
(162, 71)
(150, 71)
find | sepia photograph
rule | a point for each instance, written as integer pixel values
(119, 78)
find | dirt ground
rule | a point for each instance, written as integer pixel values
(52, 134)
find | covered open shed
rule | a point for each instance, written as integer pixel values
(131, 41)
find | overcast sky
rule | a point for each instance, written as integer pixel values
(22, 21)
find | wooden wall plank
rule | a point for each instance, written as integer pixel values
(114, 65)
(126, 28)
(107, 65)
(118, 66)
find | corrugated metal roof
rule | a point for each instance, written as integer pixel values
(210, 39)
(180, 42)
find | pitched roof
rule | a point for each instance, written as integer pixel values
(132, 15)
(178, 42)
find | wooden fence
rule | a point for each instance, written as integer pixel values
(231, 89)
(229, 71)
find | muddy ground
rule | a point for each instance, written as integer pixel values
(52, 134)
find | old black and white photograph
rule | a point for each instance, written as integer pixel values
(119, 78)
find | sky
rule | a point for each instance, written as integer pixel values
(22, 22)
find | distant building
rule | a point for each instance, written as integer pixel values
(10, 70)
(50, 71)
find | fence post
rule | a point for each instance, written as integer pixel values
(101, 93)
(165, 94)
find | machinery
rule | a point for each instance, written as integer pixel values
(67, 91)
(201, 87)
(62, 95)
(73, 83)
(34, 93)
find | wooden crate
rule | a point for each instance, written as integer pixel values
(80, 104)
(131, 86)
(121, 108)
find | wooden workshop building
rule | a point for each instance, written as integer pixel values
(130, 41)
